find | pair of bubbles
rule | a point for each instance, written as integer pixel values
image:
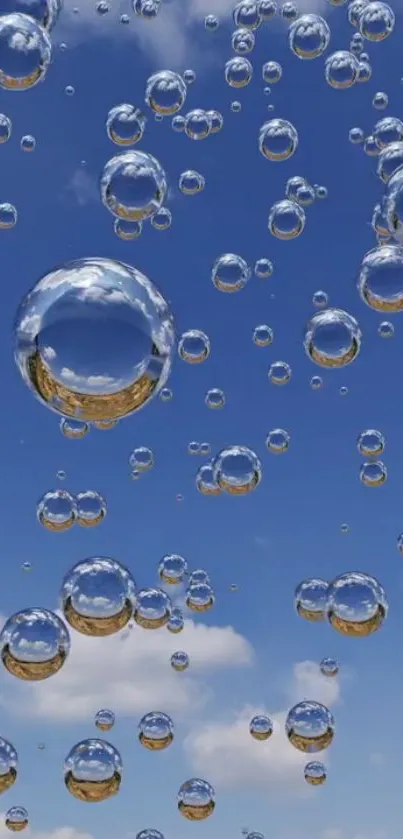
(354, 604)
(371, 444)
(231, 273)
(27, 142)
(58, 510)
(77, 429)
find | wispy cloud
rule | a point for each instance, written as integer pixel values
(82, 187)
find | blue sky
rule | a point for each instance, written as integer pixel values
(251, 651)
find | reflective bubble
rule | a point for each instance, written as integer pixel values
(357, 44)
(199, 596)
(388, 130)
(267, 9)
(165, 92)
(199, 576)
(196, 798)
(230, 273)
(315, 773)
(356, 136)
(341, 69)
(237, 470)
(172, 568)
(309, 36)
(34, 645)
(380, 101)
(124, 19)
(379, 222)
(123, 340)
(243, 41)
(370, 146)
(149, 833)
(306, 195)
(354, 11)
(198, 124)
(28, 143)
(293, 185)
(93, 770)
(69, 90)
(178, 123)
(217, 121)
(25, 51)
(236, 107)
(61, 475)
(386, 329)
(26, 566)
(357, 604)
(98, 596)
(194, 448)
(289, 12)
(211, 23)
(176, 622)
(104, 719)
(373, 474)
(191, 182)
(271, 72)
(371, 443)
(286, 220)
(128, 231)
(329, 667)
(5, 128)
(364, 71)
(263, 268)
(278, 140)
(215, 398)
(16, 818)
(179, 661)
(316, 382)
(280, 373)
(238, 72)
(57, 510)
(205, 480)
(393, 205)
(310, 599)
(263, 336)
(332, 338)
(399, 547)
(142, 459)
(133, 185)
(389, 161)
(156, 731)
(189, 77)
(74, 429)
(310, 726)
(166, 394)
(261, 727)
(91, 508)
(105, 425)
(205, 449)
(194, 346)
(152, 608)
(377, 21)
(247, 13)
(8, 216)
(278, 441)
(8, 765)
(125, 125)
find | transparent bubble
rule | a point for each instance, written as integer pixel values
(142, 459)
(364, 71)
(316, 382)
(147, 9)
(315, 773)
(165, 92)
(379, 222)
(267, 9)
(8, 765)
(399, 547)
(98, 596)
(128, 231)
(149, 833)
(278, 441)
(211, 23)
(373, 474)
(289, 12)
(26, 566)
(388, 130)
(237, 470)
(194, 448)
(57, 510)
(178, 123)
(25, 51)
(386, 329)
(354, 11)
(205, 449)
(205, 481)
(179, 661)
(93, 770)
(238, 72)
(272, 72)
(389, 161)
(194, 346)
(332, 338)
(310, 726)
(102, 7)
(306, 195)
(69, 90)
(16, 818)
(293, 185)
(176, 622)
(74, 429)
(199, 576)
(393, 206)
(28, 143)
(172, 568)
(34, 645)
(104, 719)
(198, 124)
(5, 128)
(61, 475)
(196, 798)
(215, 398)
(8, 213)
(344, 528)
(199, 596)
(217, 121)
(371, 443)
(133, 185)
(309, 36)
(370, 146)
(376, 21)
(125, 125)
(263, 336)
(278, 140)
(343, 391)
(191, 182)
(236, 107)
(357, 604)
(329, 666)
(280, 373)
(105, 425)
(123, 340)
(246, 13)
(341, 69)
(380, 101)
(152, 608)
(310, 599)
(124, 19)
(156, 731)
(286, 220)
(356, 135)
(261, 727)
(230, 273)
(166, 394)
(243, 41)
(91, 508)
(357, 44)
(263, 268)
(189, 77)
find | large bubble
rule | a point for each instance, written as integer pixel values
(98, 596)
(34, 644)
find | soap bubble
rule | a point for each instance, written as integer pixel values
(389, 161)
(156, 731)
(380, 100)
(332, 338)
(191, 182)
(263, 336)
(194, 346)
(261, 727)
(57, 510)
(179, 661)
(196, 799)
(5, 128)
(316, 382)
(386, 329)
(309, 36)
(176, 622)
(8, 213)
(104, 719)
(373, 473)
(267, 9)
(311, 598)
(278, 441)
(125, 125)
(91, 508)
(142, 459)
(16, 819)
(310, 726)
(286, 220)
(25, 52)
(280, 373)
(8, 765)
(211, 23)
(98, 596)
(315, 773)
(371, 443)
(237, 470)
(28, 143)
(199, 596)
(198, 124)
(74, 429)
(93, 770)
(388, 130)
(357, 604)
(271, 72)
(205, 480)
(215, 398)
(172, 568)
(165, 92)
(380, 281)
(242, 41)
(217, 121)
(263, 268)
(364, 71)
(320, 299)
(329, 666)
(230, 273)
(341, 69)
(152, 608)
(278, 139)
(133, 185)
(166, 394)
(199, 576)
(376, 21)
(34, 644)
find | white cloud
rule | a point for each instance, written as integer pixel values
(308, 683)
(83, 187)
(57, 833)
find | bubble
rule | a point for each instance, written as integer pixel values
(247, 13)
(217, 121)
(166, 394)
(211, 23)
(373, 474)
(370, 147)
(104, 719)
(356, 136)
(278, 441)
(105, 425)
(329, 667)
(310, 599)
(199, 576)
(69, 90)
(364, 71)
(237, 470)
(343, 391)
(236, 107)
(28, 143)
(376, 21)
(380, 101)
(278, 140)
(165, 92)
(280, 373)
(341, 69)
(310, 726)
(199, 596)
(26, 566)
(286, 220)
(388, 130)
(215, 398)
(354, 11)
(74, 429)
(198, 124)
(267, 9)
(194, 346)
(178, 123)
(315, 773)
(176, 622)
(57, 510)
(5, 128)
(261, 727)
(390, 160)
(332, 338)
(34, 645)
(93, 770)
(147, 9)
(102, 7)
(306, 195)
(289, 12)
(309, 36)
(152, 608)
(133, 185)
(179, 661)
(172, 568)
(191, 182)
(263, 268)
(316, 382)
(124, 19)
(386, 329)
(193, 448)
(238, 72)
(189, 77)
(205, 480)
(196, 798)
(16, 819)
(123, 340)
(91, 508)
(205, 449)
(230, 273)
(156, 731)
(272, 72)
(128, 231)
(263, 336)
(399, 547)
(243, 41)
(8, 213)
(371, 443)
(125, 125)
(98, 596)
(392, 209)
(25, 51)
(357, 604)
(61, 475)
(8, 765)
